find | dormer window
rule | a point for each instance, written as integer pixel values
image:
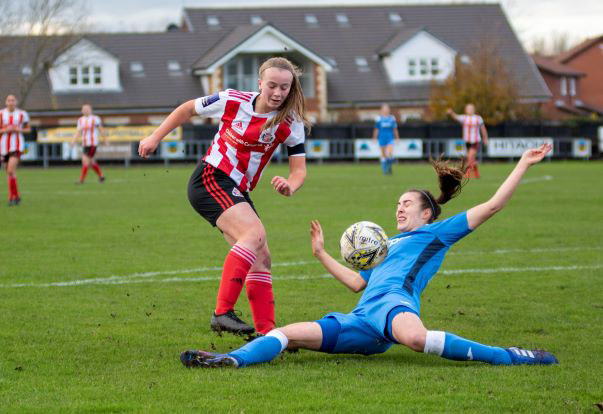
(362, 64)
(423, 68)
(342, 20)
(174, 67)
(26, 71)
(213, 21)
(395, 18)
(85, 75)
(137, 69)
(311, 20)
(255, 19)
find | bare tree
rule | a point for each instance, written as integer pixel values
(482, 79)
(36, 33)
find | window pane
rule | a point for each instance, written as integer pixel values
(73, 71)
(412, 72)
(97, 80)
(247, 65)
(231, 68)
(434, 62)
(412, 62)
(85, 70)
(97, 70)
(423, 62)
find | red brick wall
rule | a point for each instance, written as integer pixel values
(590, 61)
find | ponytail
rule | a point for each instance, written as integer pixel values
(294, 105)
(451, 179)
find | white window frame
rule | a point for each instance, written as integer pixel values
(563, 86)
(85, 76)
(424, 68)
(395, 18)
(572, 86)
(249, 81)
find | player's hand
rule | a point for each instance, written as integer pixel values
(318, 242)
(147, 146)
(282, 186)
(535, 155)
(449, 111)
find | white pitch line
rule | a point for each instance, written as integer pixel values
(295, 277)
(113, 279)
(537, 179)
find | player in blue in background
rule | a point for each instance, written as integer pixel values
(386, 129)
(388, 312)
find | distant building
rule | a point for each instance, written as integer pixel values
(354, 58)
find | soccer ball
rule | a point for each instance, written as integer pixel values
(363, 245)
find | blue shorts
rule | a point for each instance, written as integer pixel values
(349, 334)
(367, 330)
(385, 142)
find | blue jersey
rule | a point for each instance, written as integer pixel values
(413, 259)
(385, 129)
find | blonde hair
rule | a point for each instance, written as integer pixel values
(294, 105)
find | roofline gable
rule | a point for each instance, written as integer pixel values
(418, 31)
(267, 28)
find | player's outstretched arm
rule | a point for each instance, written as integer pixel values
(452, 114)
(346, 276)
(174, 120)
(482, 212)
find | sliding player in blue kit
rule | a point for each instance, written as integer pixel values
(388, 312)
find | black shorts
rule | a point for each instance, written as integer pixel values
(89, 151)
(211, 192)
(470, 145)
(6, 157)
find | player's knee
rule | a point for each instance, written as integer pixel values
(263, 257)
(415, 340)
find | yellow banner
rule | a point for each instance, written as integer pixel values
(112, 133)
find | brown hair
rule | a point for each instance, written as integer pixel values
(451, 179)
(294, 105)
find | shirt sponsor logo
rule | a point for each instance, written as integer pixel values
(236, 192)
(233, 137)
(392, 242)
(208, 100)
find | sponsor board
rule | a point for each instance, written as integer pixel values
(317, 148)
(515, 147)
(403, 148)
(113, 134)
(455, 148)
(30, 152)
(172, 150)
(581, 148)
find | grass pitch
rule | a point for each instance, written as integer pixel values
(103, 285)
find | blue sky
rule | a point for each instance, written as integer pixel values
(530, 18)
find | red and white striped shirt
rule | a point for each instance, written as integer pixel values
(240, 148)
(89, 128)
(471, 128)
(12, 141)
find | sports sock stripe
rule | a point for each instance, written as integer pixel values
(245, 254)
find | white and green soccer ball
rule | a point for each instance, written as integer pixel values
(363, 245)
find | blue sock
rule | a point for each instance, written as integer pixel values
(263, 349)
(390, 162)
(384, 165)
(461, 349)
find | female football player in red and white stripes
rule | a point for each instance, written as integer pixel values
(252, 125)
(89, 128)
(473, 124)
(13, 123)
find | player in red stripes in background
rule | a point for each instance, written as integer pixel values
(474, 133)
(89, 129)
(13, 123)
(252, 125)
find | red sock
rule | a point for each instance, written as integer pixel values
(97, 169)
(237, 264)
(261, 300)
(476, 171)
(10, 187)
(83, 174)
(13, 192)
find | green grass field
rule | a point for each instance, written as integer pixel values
(103, 285)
